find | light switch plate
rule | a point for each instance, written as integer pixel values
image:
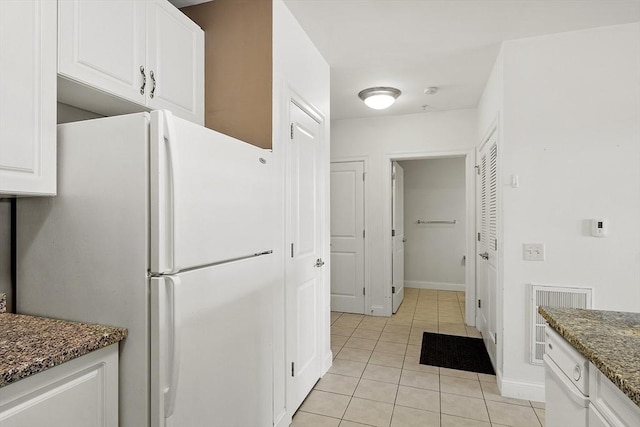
(533, 251)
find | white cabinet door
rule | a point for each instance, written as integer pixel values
(175, 61)
(613, 406)
(27, 97)
(123, 56)
(79, 393)
(102, 44)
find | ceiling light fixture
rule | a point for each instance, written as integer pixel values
(379, 98)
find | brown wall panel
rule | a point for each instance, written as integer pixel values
(238, 67)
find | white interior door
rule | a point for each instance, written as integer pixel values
(304, 264)
(347, 237)
(487, 244)
(397, 235)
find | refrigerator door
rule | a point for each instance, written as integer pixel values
(211, 346)
(211, 196)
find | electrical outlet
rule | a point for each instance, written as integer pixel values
(533, 251)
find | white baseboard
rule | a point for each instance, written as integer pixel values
(328, 361)
(461, 287)
(521, 390)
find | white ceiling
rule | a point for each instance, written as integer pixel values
(414, 44)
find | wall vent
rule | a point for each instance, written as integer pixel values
(552, 296)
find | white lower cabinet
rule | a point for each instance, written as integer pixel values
(595, 418)
(611, 406)
(80, 393)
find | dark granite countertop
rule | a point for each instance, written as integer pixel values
(609, 339)
(30, 344)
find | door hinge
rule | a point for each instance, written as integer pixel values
(364, 291)
(393, 289)
(495, 336)
(363, 175)
(478, 237)
(293, 372)
(477, 169)
(393, 176)
(292, 250)
(393, 233)
(291, 130)
(479, 303)
(495, 245)
(363, 234)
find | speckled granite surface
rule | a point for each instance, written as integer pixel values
(3, 303)
(30, 344)
(609, 339)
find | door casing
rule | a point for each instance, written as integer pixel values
(469, 222)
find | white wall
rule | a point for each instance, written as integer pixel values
(374, 140)
(434, 189)
(298, 71)
(66, 113)
(571, 132)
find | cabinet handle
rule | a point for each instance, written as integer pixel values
(144, 80)
(153, 88)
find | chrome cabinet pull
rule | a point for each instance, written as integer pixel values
(144, 80)
(484, 255)
(153, 88)
(319, 262)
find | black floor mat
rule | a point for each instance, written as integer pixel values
(450, 351)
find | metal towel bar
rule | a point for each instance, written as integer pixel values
(435, 222)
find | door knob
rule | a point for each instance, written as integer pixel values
(484, 255)
(319, 262)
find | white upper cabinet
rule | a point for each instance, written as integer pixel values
(121, 56)
(102, 43)
(27, 97)
(175, 47)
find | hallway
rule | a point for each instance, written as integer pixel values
(376, 378)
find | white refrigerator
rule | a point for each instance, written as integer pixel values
(166, 228)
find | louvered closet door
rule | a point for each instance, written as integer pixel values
(487, 245)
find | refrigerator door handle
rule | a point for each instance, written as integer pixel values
(174, 352)
(170, 138)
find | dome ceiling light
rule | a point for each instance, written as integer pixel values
(379, 98)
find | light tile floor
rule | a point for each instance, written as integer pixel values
(377, 380)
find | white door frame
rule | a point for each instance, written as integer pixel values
(470, 223)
